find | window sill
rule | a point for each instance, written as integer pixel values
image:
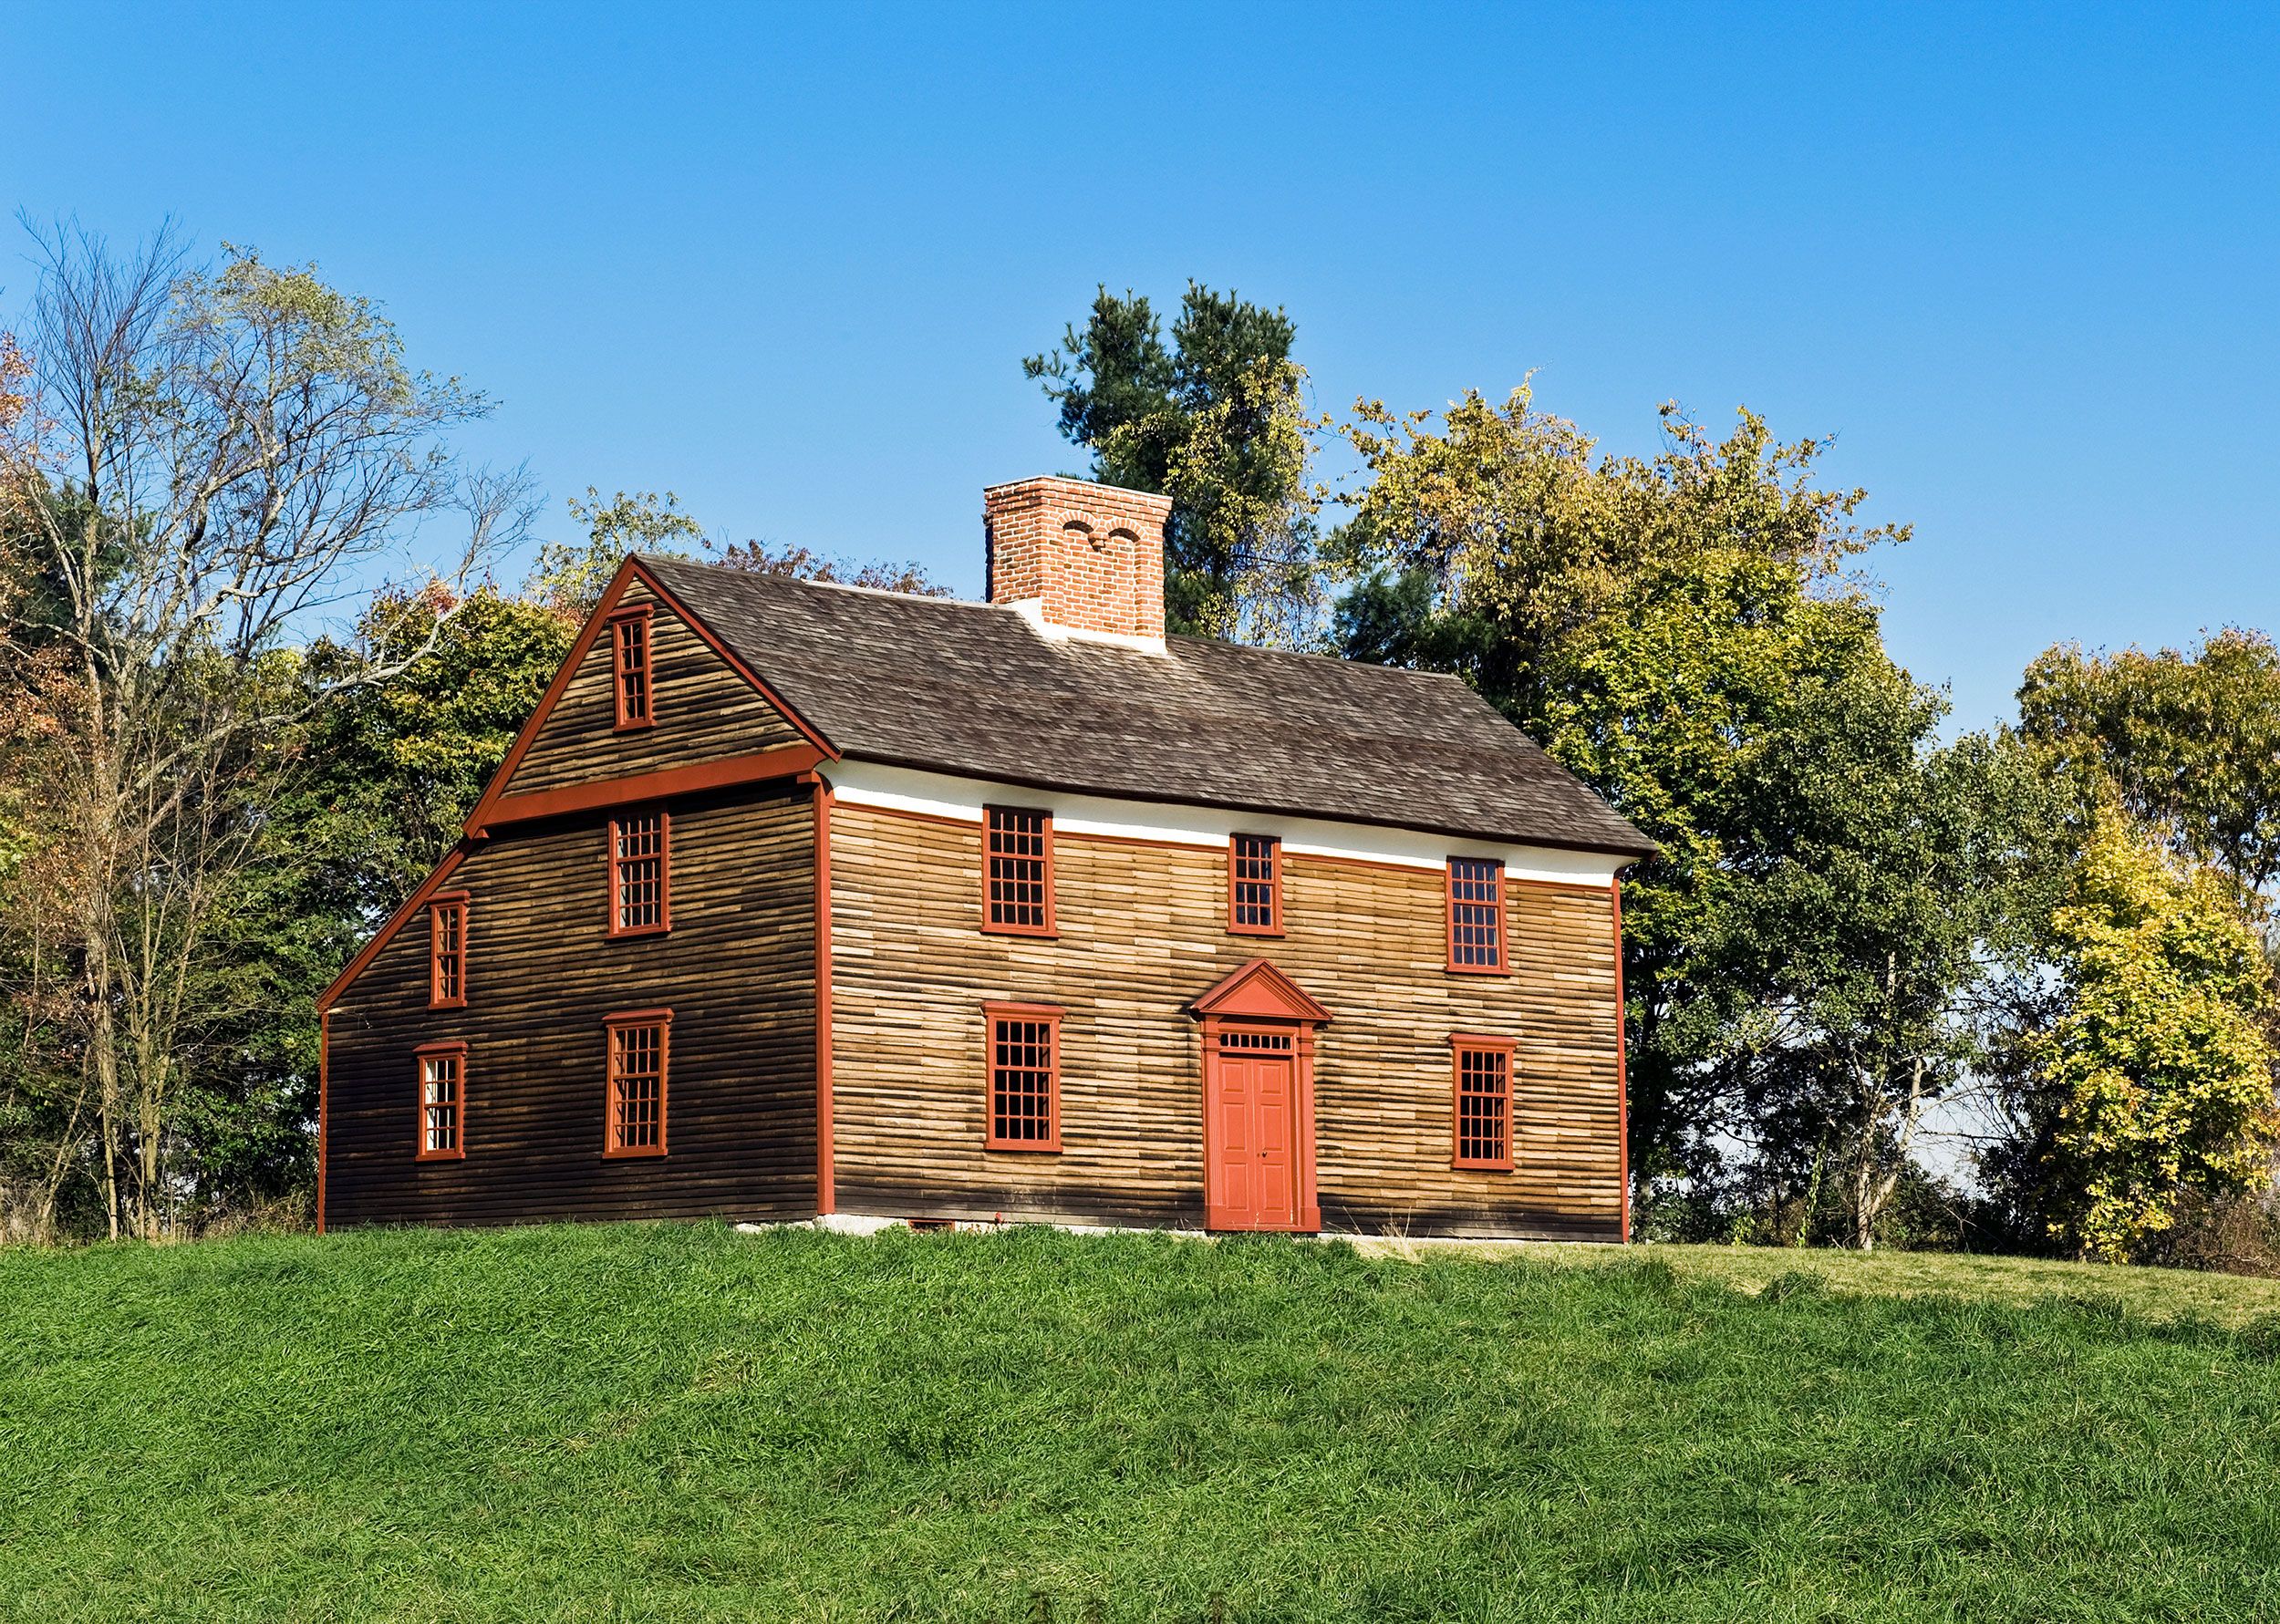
(1257, 932)
(438, 1155)
(447, 1003)
(645, 1154)
(1035, 933)
(1461, 1165)
(616, 935)
(640, 726)
(1478, 969)
(1024, 1148)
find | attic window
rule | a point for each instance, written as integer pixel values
(640, 878)
(441, 1072)
(1254, 886)
(1483, 1108)
(1018, 872)
(1024, 1077)
(447, 952)
(629, 643)
(1475, 915)
(634, 1112)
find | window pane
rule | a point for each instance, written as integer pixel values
(1475, 914)
(1020, 1092)
(639, 864)
(637, 1087)
(1484, 1105)
(1018, 883)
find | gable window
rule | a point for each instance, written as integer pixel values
(1024, 1077)
(641, 876)
(630, 657)
(447, 952)
(1018, 872)
(1484, 1102)
(633, 1110)
(440, 1070)
(1476, 910)
(1254, 886)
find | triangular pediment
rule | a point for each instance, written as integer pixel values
(1259, 991)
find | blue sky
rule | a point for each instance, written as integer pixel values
(2022, 261)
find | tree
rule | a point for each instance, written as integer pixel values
(2187, 744)
(2154, 1080)
(211, 459)
(1217, 422)
(1682, 633)
(569, 576)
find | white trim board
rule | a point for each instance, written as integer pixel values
(945, 795)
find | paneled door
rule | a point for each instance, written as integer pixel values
(1252, 1099)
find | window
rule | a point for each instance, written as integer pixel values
(442, 1072)
(1484, 1102)
(629, 644)
(1018, 872)
(1254, 886)
(1475, 887)
(640, 878)
(634, 1122)
(1024, 1077)
(447, 952)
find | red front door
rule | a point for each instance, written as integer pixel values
(1253, 1180)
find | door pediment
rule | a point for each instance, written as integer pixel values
(1259, 991)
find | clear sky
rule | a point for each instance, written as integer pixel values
(2022, 261)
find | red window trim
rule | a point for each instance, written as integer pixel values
(1273, 927)
(419, 1058)
(992, 1013)
(1460, 1045)
(1050, 927)
(611, 1026)
(1503, 966)
(664, 876)
(454, 901)
(636, 615)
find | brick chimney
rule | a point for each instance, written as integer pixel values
(1079, 559)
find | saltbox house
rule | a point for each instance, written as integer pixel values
(794, 899)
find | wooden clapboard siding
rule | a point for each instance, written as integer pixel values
(738, 969)
(1143, 930)
(705, 711)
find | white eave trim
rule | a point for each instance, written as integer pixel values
(945, 795)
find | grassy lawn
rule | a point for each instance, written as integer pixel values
(690, 1424)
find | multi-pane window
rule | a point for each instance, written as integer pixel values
(1018, 872)
(1254, 879)
(630, 638)
(1024, 1077)
(1475, 887)
(1484, 1102)
(447, 952)
(639, 877)
(634, 1122)
(442, 1081)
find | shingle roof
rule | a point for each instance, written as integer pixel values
(976, 690)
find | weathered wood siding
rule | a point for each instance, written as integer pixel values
(704, 709)
(738, 969)
(1143, 931)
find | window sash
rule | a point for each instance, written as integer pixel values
(1018, 871)
(1482, 1123)
(641, 874)
(639, 1066)
(447, 954)
(1023, 1104)
(1254, 903)
(440, 1074)
(1476, 914)
(629, 662)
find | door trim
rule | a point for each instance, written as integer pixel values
(1306, 1205)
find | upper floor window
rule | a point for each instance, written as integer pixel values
(633, 1110)
(1018, 872)
(641, 874)
(442, 1073)
(1484, 1102)
(1254, 882)
(1476, 910)
(1024, 1077)
(629, 642)
(446, 951)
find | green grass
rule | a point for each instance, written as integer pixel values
(690, 1424)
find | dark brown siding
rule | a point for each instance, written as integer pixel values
(1143, 930)
(704, 709)
(737, 969)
